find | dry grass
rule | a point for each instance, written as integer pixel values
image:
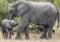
(34, 37)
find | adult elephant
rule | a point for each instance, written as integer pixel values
(39, 13)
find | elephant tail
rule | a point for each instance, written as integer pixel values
(0, 24)
(57, 13)
(58, 19)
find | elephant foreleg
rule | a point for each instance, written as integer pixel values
(23, 24)
(22, 27)
(10, 33)
(26, 32)
(19, 33)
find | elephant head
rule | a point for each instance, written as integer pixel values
(18, 9)
(13, 23)
(9, 23)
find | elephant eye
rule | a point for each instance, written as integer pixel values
(12, 11)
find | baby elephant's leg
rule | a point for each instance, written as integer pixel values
(10, 33)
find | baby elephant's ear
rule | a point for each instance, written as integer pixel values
(22, 9)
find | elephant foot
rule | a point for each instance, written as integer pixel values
(10, 38)
(5, 37)
(17, 37)
(43, 37)
(49, 38)
(27, 38)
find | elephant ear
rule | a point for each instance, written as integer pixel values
(22, 9)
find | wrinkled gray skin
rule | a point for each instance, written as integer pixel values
(7, 27)
(39, 13)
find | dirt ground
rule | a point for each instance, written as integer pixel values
(34, 37)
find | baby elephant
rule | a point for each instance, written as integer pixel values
(7, 27)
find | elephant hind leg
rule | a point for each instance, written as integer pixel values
(45, 28)
(50, 30)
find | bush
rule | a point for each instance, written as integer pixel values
(4, 4)
(3, 9)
